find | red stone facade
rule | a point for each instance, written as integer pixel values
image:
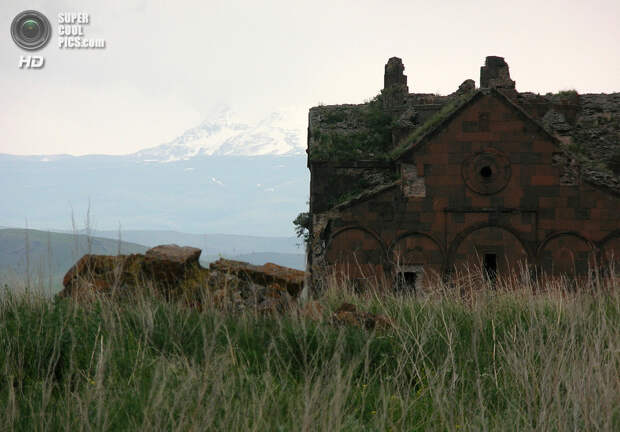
(483, 188)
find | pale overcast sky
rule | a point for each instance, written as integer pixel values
(167, 64)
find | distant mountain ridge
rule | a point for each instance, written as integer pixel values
(230, 194)
(228, 244)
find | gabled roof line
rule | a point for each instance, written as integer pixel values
(427, 135)
(602, 187)
(449, 116)
(529, 117)
(366, 194)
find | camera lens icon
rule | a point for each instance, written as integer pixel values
(31, 30)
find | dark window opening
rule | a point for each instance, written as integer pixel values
(486, 171)
(490, 266)
(407, 281)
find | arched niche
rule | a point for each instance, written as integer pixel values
(356, 253)
(492, 248)
(417, 260)
(567, 254)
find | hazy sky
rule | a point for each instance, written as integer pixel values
(167, 64)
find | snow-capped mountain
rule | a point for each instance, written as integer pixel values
(280, 133)
(224, 175)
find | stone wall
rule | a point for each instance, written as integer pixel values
(450, 211)
(516, 176)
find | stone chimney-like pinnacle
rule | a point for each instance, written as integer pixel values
(395, 88)
(495, 73)
(394, 73)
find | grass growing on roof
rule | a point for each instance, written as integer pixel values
(371, 143)
(374, 141)
(431, 123)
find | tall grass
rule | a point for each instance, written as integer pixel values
(455, 359)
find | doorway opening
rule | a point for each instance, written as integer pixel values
(408, 279)
(490, 266)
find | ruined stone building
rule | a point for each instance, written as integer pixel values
(411, 186)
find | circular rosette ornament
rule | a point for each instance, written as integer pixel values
(486, 172)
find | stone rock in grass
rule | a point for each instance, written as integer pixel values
(175, 272)
(312, 310)
(348, 314)
(170, 269)
(275, 305)
(102, 274)
(183, 255)
(170, 264)
(228, 300)
(275, 278)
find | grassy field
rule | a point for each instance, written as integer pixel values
(503, 359)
